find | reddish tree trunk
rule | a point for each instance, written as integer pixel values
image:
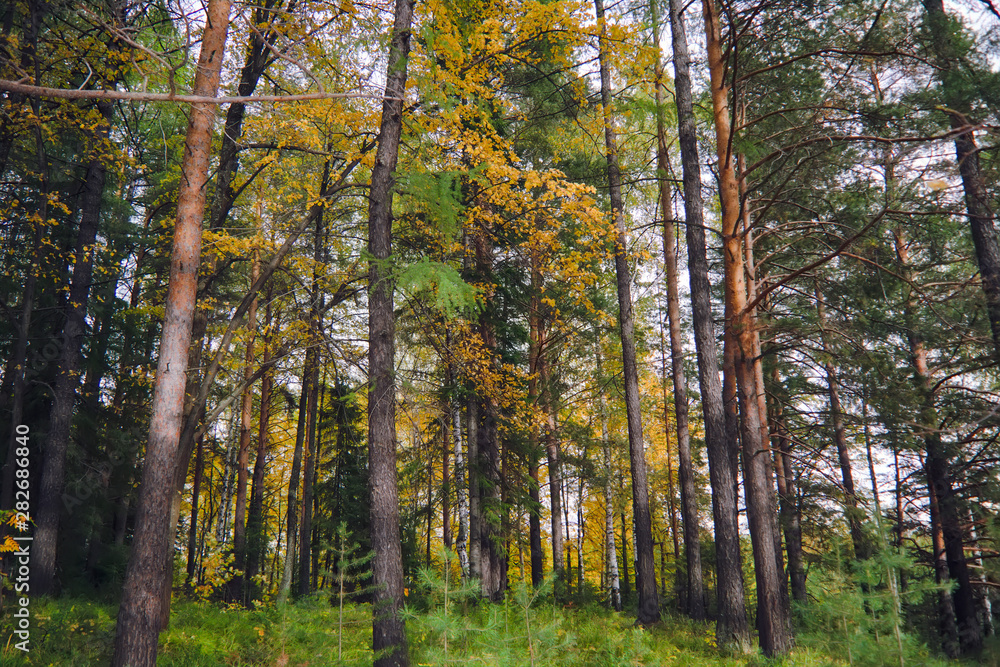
(139, 613)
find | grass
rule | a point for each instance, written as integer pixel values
(522, 632)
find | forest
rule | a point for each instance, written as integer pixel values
(499, 332)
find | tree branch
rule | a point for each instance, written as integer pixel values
(75, 94)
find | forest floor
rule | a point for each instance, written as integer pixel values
(79, 633)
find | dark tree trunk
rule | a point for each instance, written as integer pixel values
(292, 509)
(649, 607)
(309, 462)
(981, 216)
(689, 500)
(388, 629)
(535, 364)
(256, 542)
(732, 628)
(43, 556)
(139, 613)
(789, 511)
(946, 523)
(199, 470)
(626, 585)
(492, 559)
(862, 546)
(445, 479)
(243, 455)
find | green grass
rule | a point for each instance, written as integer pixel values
(520, 632)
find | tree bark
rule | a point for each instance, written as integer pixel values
(773, 623)
(199, 470)
(255, 537)
(789, 512)
(292, 509)
(139, 613)
(43, 557)
(732, 627)
(388, 629)
(309, 463)
(243, 454)
(689, 499)
(614, 584)
(854, 514)
(649, 607)
(977, 203)
(947, 527)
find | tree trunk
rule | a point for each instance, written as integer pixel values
(445, 478)
(309, 463)
(256, 542)
(461, 487)
(649, 607)
(614, 585)
(475, 504)
(199, 470)
(854, 514)
(626, 586)
(243, 454)
(43, 557)
(789, 512)
(535, 364)
(773, 621)
(292, 509)
(689, 500)
(977, 203)
(139, 613)
(732, 628)
(947, 527)
(555, 475)
(388, 629)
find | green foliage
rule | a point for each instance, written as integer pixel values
(850, 611)
(442, 284)
(527, 628)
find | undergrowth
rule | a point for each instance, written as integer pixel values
(527, 629)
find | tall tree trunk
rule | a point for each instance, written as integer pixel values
(292, 509)
(199, 470)
(789, 512)
(773, 623)
(689, 500)
(940, 482)
(649, 607)
(256, 542)
(626, 586)
(243, 454)
(535, 364)
(862, 546)
(475, 504)
(614, 585)
(977, 204)
(461, 487)
(43, 557)
(673, 524)
(139, 613)
(309, 462)
(445, 478)
(732, 627)
(493, 567)
(388, 629)
(552, 455)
